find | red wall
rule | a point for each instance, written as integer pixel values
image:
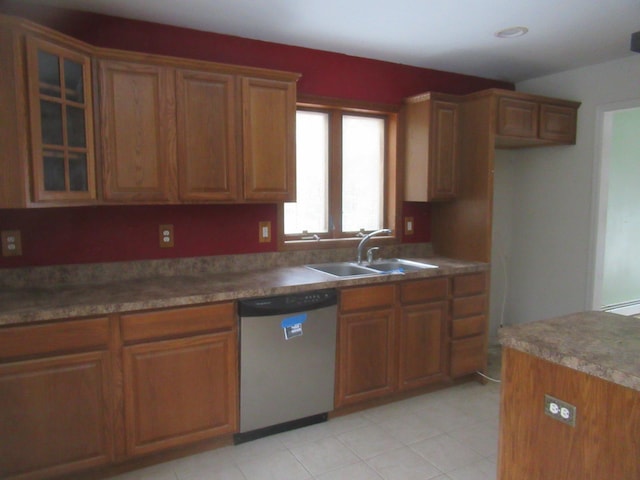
(104, 234)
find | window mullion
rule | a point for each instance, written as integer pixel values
(335, 173)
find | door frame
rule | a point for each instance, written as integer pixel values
(602, 160)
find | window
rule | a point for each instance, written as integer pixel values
(345, 169)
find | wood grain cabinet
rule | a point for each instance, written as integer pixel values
(46, 120)
(431, 142)
(176, 131)
(268, 133)
(366, 344)
(137, 132)
(180, 376)
(469, 324)
(528, 120)
(56, 399)
(422, 337)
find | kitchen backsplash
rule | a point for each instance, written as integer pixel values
(96, 273)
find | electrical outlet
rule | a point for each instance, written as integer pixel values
(11, 243)
(562, 411)
(264, 232)
(166, 236)
(408, 225)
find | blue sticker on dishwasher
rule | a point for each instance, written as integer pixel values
(292, 326)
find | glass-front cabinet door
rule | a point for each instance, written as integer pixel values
(60, 104)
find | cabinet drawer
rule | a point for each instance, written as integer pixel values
(354, 299)
(463, 307)
(426, 290)
(467, 356)
(67, 336)
(469, 326)
(469, 284)
(177, 322)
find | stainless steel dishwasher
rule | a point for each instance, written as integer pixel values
(287, 362)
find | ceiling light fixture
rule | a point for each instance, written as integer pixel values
(512, 32)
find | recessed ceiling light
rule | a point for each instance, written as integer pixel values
(512, 32)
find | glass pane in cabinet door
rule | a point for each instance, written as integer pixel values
(53, 171)
(51, 122)
(49, 74)
(73, 81)
(78, 172)
(75, 127)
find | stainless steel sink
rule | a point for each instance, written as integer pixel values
(380, 267)
(399, 264)
(343, 269)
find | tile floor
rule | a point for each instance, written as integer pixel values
(451, 434)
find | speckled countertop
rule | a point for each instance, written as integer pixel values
(605, 345)
(26, 304)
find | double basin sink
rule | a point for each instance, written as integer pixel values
(379, 267)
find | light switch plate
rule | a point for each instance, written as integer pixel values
(264, 232)
(408, 225)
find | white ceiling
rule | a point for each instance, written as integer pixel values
(451, 35)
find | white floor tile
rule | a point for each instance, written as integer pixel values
(409, 428)
(403, 464)
(324, 455)
(482, 470)
(370, 441)
(446, 453)
(358, 471)
(481, 437)
(273, 466)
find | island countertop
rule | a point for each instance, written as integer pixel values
(605, 345)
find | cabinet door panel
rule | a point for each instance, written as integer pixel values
(138, 132)
(54, 415)
(366, 353)
(558, 123)
(422, 329)
(206, 136)
(179, 391)
(268, 122)
(61, 116)
(517, 117)
(443, 157)
(468, 356)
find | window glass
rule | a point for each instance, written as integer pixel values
(362, 173)
(310, 212)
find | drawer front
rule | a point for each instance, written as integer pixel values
(56, 337)
(469, 326)
(427, 290)
(177, 322)
(466, 306)
(469, 284)
(467, 356)
(354, 299)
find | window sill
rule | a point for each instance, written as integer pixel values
(351, 242)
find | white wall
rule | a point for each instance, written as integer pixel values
(551, 196)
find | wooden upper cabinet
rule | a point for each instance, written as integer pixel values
(206, 129)
(524, 120)
(517, 117)
(431, 147)
(268, 133)
(137, 116)
(46, 120)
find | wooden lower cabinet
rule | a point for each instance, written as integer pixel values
(366, 344)
(391, 338)
(422, 332)
(179, 390)
(469, 324)
(56, 414)
(421, 344)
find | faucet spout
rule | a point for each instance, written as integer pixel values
(365, 239)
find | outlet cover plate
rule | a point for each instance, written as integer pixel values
(560, 410)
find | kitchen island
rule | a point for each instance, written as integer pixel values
(570, 406)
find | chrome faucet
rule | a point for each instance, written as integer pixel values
(366, 238)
